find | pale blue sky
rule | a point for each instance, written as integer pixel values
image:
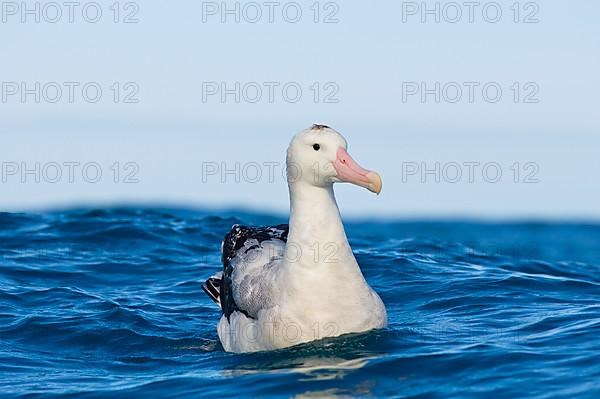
(368, 55)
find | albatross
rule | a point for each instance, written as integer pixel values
(290, 284)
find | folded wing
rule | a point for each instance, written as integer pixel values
(249, 256)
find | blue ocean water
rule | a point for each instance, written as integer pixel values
(107, 303)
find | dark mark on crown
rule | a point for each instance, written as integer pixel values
(319, 127)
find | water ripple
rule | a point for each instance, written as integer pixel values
(103, 302)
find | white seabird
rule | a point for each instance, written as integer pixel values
(289, 284)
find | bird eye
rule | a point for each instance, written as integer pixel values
(316, 147)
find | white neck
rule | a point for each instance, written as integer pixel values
(316, 228)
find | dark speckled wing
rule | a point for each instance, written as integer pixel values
(219, 289)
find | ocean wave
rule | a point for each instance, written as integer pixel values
(107, 302)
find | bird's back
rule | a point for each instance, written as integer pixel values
(247, 254)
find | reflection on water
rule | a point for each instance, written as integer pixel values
(329, 369)
(315, 368)
(326, 359)
(331, 359)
